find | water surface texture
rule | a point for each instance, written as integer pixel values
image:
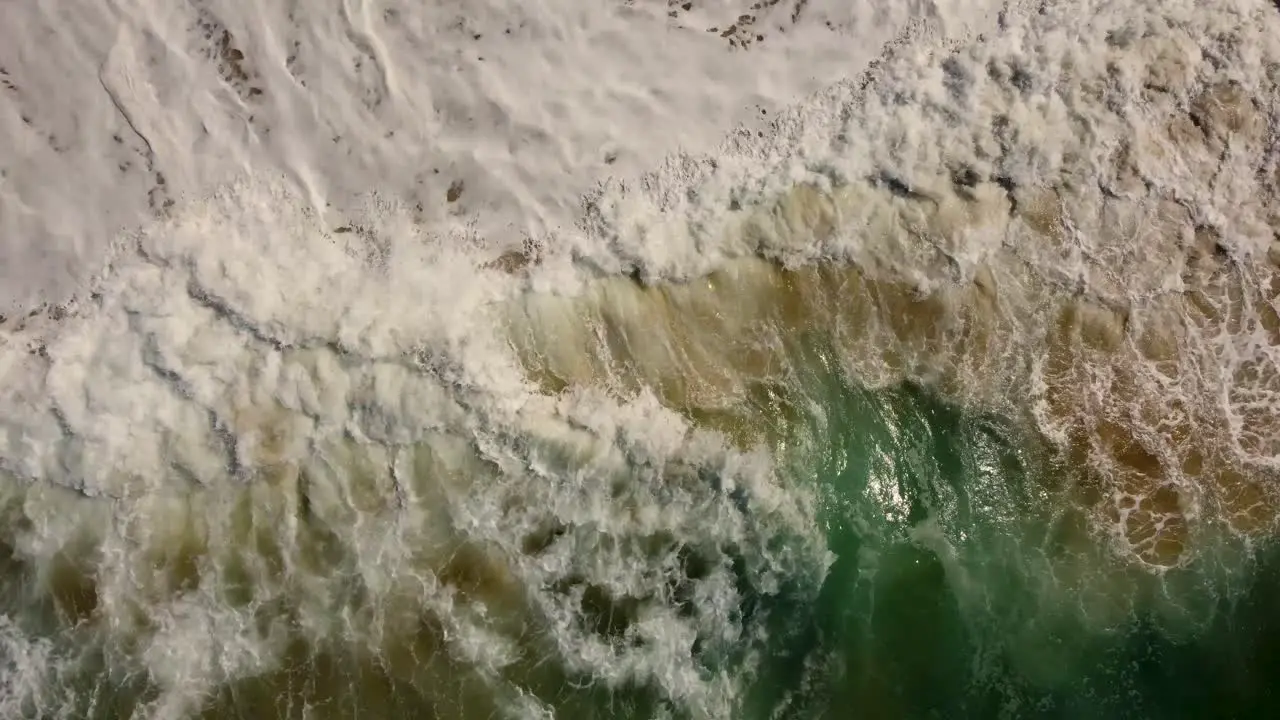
(949, 392)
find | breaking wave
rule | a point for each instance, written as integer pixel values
(995, 326)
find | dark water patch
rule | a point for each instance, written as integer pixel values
(967, 584)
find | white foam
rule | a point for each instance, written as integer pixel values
(25, 664)
(523, 105)
(259, 408)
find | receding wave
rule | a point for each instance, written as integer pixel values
(996, 324)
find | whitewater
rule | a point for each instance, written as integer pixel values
(331, 387)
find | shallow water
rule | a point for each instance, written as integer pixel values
(965, 581)
(954, 398)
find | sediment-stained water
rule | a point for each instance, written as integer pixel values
(954, 397)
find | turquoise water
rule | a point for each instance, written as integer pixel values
(966, 585)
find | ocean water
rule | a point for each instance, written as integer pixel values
(951, 395)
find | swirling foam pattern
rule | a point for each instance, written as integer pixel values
(1002, 315)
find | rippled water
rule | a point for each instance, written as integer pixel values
(978, 595)
(959, 417)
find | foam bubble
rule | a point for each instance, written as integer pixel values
(412, 475)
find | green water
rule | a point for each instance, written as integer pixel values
(967, 585)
